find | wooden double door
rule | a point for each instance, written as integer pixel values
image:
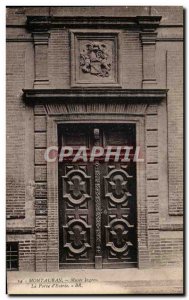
(97, 200)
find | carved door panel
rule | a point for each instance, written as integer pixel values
(119, 215)
(97, 201)
(76, 216)
(118, 200)
(76, 205)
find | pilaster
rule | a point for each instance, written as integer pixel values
(41, 40)
(148, 36)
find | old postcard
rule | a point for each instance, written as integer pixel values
(94, 150)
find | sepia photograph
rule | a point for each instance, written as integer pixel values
(94, 150)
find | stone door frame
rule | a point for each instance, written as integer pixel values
(52, 181)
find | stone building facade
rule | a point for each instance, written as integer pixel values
(86, 70)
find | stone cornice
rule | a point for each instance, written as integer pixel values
(44, 23)
(33, 96)
(148, 23)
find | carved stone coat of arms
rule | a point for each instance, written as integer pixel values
(95, 60)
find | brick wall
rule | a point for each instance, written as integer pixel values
(15, 131)
(171, 246)
(27, 250)
(175, 130)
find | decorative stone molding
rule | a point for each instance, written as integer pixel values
(49, 22)
(148, 23)
(45, 96)
(148, 36)
(38, 23)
